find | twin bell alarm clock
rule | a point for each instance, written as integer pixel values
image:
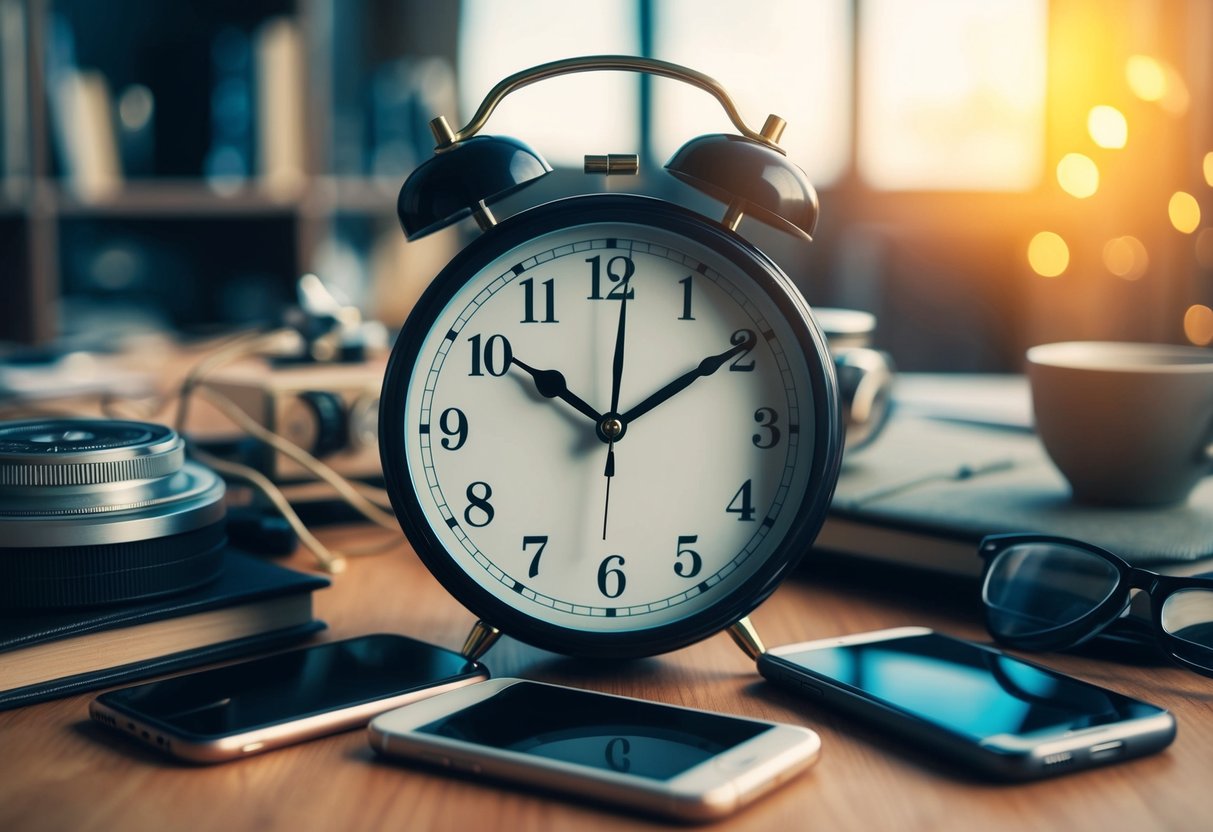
(611, 426)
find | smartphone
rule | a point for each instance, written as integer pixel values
(240, 709)
(1007, 718)
(671, 761)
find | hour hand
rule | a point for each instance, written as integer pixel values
(706, 367)
(551, 385)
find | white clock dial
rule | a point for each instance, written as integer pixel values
(511, 464)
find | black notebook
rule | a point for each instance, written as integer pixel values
(253, 605)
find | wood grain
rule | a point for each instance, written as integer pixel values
(59, 772)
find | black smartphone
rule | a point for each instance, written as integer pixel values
(229, 712)
(1010, 719)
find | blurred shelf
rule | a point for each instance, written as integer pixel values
(173, 198)
(354, 195)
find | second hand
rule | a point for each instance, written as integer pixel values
(609, 473)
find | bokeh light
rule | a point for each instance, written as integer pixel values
(1198, 324)
(1048, 254)
(1146, 77)
(1078, 175)
(1204, 248)
(1209, 168)
(1107, 126)
(1184, 212)
(1126, 257)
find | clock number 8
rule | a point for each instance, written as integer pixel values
(480, 503)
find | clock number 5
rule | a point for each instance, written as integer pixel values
(495, 357)
(690, 567)
(609, 574)
(619, 271)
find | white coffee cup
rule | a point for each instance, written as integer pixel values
(1127, 424)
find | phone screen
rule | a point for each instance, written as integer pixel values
(968, 689)
(288, 686)
(644, 739)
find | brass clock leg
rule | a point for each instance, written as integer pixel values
(747, 638)
(479, 640)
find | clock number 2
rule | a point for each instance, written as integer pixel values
(742, 336)
(609, 574)
(619, 271)
(495, 357)
(479, 512)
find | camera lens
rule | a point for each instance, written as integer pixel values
(98, 511)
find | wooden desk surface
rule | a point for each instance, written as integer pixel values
(59, 772)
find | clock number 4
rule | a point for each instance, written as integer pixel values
(549, 302)
(742, 503)
(619, 270)
(494, 357)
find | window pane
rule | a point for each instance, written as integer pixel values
(788, 57)
(563, 118)
(952, 94)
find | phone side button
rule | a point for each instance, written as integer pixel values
(436, 760)
(252, 747)
(1106, 750)
(460, 765)
(810, 689)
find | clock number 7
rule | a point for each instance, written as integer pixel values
(619, 270)
(540, 540)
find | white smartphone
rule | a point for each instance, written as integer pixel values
(992, 713)
(229, 712)
(677, 762)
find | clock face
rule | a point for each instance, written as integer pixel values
(610, 430)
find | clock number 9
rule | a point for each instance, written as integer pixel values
(742, 336)
(619, 271)
(608, 573)
(479, 502)
(460, 429)
(766, 417)
(687, 568)
(495, 357)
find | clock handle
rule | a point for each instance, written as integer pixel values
(747, 638)
(479, 640)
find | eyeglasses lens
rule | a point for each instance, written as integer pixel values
(1033, 588)
(1187, 615)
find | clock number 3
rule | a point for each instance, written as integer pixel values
(766, 417)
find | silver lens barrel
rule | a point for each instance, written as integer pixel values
(97, 511)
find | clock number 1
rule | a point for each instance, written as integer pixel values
(686, 300)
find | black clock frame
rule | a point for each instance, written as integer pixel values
(555, 216)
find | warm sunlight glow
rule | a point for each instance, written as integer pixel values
(1107, 126)
(1198, 325)
(1146, 77)
(1048, 254)
(1078, 175)
(1184, 212)
(952, 94)
(1209, 168)
(1126, 257)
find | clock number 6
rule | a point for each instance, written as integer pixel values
(608, 574)
(479, 503)
(687, 568)
(495, 357)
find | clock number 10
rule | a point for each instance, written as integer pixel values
(494, 357)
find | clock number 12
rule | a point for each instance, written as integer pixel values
(619, 270)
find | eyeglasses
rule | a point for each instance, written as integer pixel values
(1051, 593)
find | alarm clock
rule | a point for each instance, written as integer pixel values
(611, 425)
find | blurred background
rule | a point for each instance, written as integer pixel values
(992, 174)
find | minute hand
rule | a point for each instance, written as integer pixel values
(706, 367)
